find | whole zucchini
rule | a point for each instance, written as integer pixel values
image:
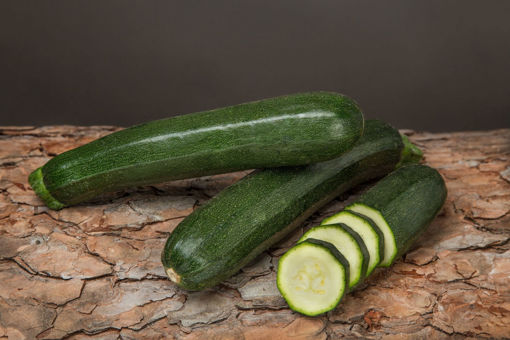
(283, 131)
(219, 238)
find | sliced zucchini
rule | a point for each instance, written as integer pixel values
(390, 247)
(406, 201)
(403, 204)
(348, 243)
(371, 235)
(313, 277)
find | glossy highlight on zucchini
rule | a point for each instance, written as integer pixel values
(222, 236)
(289, 130)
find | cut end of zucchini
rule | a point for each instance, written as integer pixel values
(390, 247)
(37, 183)
(173, 276)
(311, 278)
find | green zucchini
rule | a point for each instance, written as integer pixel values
(313, 277)
(348, 243)
(290, 130)
(373, 217)
(371, 236)
(245, 219)
(407, 200)
(402, 204)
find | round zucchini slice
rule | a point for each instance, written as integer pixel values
(372, 215)
(372, 237)
(348, 243)
(313, 277)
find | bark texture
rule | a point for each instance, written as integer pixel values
(94, 271)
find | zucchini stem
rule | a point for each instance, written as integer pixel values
(37, 183)
(410, 154)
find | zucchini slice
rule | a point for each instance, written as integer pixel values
(348, 243)
(402, 204)
(372, 236)
(374, 216)
(313, 277)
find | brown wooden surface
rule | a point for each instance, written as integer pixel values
(93, 271)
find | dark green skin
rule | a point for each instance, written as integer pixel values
(245, 219)
(283, 131)
(362, 246)
(409, 198)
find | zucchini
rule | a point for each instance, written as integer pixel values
(348, 243)
(371, 235)
(402, 204)
(290, 130)
(407, 200)
(373, 217)
(313, 277)
(219, 238)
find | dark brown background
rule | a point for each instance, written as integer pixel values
(428, 65)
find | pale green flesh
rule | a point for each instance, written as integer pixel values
(364, 230)
(311, 279)
(390, 247)
(344, 243)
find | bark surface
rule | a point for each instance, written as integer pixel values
(94, 271)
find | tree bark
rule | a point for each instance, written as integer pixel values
(94, 271)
